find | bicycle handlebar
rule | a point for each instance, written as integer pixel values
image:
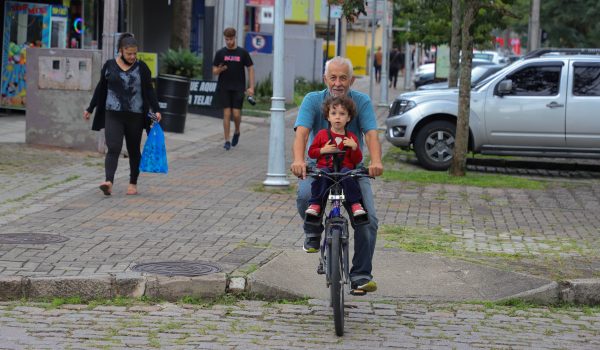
(337, 176)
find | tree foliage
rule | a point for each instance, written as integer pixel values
(431, 21)
(571, 24)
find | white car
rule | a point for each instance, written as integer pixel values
(491, 56)
(545, 105)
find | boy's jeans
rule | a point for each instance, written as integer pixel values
(364, 236)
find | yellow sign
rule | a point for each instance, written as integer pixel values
(151, 59)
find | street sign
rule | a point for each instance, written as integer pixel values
(336, 11)
(259, 42)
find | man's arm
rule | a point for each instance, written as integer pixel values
(372, 141)
(298, 166)
(250, 90)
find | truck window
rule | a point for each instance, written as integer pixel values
(586, 81)
(536, 81)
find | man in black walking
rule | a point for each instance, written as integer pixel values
(229, 65)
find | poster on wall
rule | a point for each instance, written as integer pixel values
(25, 25)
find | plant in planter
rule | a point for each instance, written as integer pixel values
(173, 86)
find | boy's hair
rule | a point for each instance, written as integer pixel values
(229, 32)
(344, 101)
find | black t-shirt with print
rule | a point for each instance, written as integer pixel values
(234, 77)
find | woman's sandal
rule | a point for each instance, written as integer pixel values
(132, 190)
(106, 188)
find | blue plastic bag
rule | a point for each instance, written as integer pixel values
(154, 155)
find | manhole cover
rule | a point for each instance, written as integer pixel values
(31, 238)
(178, 268)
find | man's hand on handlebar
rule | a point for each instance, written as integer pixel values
(375, 169)
(298, 168)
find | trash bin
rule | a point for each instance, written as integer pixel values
(172, 93)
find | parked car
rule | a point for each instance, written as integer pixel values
(425, 75)
(477, 74)
(545, 105)
(492, 56)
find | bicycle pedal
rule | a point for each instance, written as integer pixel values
(320, 270)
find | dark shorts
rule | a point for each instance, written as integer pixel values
(231, 99)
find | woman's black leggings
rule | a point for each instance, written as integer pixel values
(117, 125)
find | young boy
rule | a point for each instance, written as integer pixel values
(338, 111)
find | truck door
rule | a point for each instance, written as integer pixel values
(532, 114)
(583, 118)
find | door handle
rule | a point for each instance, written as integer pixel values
(553, 104)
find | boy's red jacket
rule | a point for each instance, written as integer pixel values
(351, 158)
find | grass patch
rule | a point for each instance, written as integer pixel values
(68, 179)
(470, 179)
(260, 188)
(244, 244)
(417, 239)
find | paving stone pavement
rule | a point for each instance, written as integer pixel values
(212, 207)
(261, 325)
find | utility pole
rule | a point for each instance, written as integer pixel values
(110, 27)
(386, 62)
(276, 173)
(373, 30)
(534, 33)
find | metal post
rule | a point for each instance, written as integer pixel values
(276, 173)
(373, 30)
(386, 62)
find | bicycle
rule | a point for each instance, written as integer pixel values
(334, 258)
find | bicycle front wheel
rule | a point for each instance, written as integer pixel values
(337, 284)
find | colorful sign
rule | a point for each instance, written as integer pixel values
(151, 59)
(259, 42)
(32, 25)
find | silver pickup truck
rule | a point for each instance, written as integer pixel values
(546, 105)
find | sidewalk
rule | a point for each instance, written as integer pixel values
(212, 213)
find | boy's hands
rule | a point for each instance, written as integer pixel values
(348, 142)
(330, 147)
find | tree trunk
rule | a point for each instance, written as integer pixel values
(454, 45)
(181, 24)
(459, 159)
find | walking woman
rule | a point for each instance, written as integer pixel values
(123, 97)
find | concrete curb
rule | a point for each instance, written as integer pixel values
(135, 285)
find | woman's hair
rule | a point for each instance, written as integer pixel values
(344, 101)
(126, 40)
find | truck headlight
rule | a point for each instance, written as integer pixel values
(400, 107)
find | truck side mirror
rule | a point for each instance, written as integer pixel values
(504, 88)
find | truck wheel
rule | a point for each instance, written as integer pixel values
(434, 145)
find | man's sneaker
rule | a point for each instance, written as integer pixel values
(235, 139)
(312, 244)
(357, 209)
(313, 209)
(363, 286)
(227, 145)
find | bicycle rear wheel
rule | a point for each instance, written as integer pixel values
(336, 288)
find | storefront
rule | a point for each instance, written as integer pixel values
(60, 24)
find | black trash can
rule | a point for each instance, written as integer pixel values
(172, 93)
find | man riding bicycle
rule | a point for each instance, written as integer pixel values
(338, 78)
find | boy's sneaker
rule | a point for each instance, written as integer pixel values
(227, 145)
(313, 209)
(363, 286)
(235, 139)
(357, 209)
(312, 244)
